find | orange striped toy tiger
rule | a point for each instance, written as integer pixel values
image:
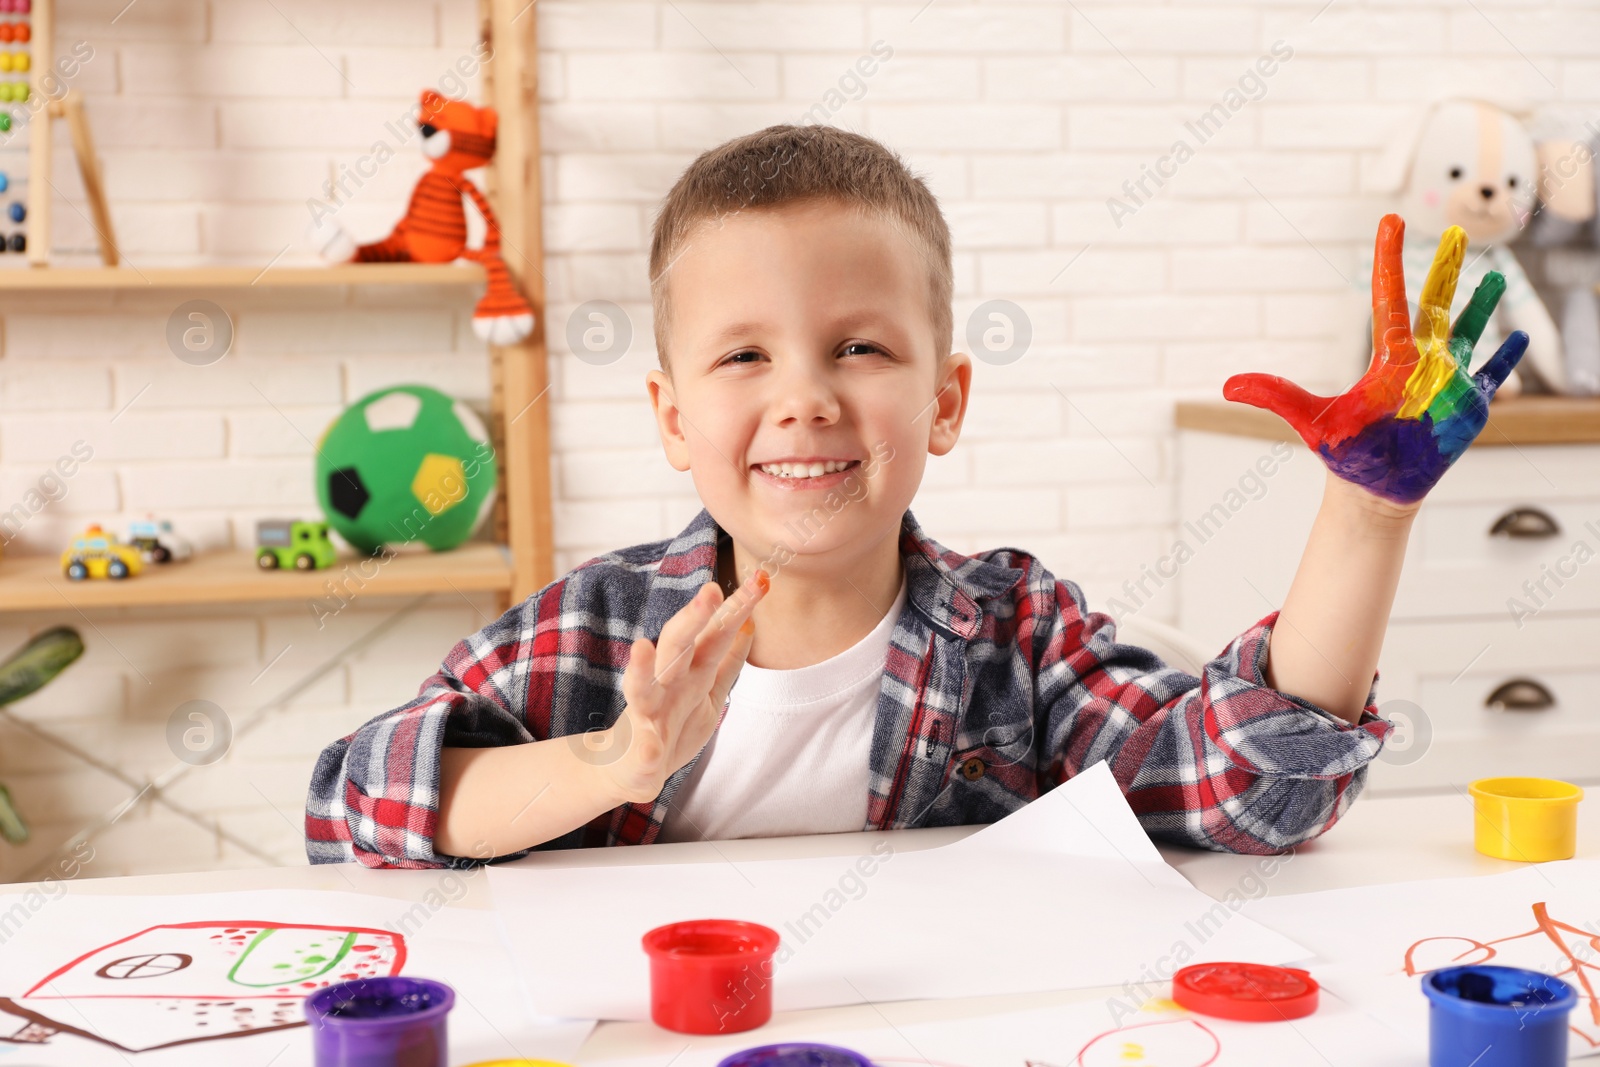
(457, 137)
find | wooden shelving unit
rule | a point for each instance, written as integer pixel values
(521, 559)
(1518, 420)
(35, 583)
(363, 274)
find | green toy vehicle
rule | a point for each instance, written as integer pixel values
(285, 543)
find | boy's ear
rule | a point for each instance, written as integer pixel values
(950, 403)
(668, 424)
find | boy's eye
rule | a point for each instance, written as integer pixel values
(860, 344)
(735, 358)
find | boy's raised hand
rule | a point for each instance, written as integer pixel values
(676, 689)
(1414, 412)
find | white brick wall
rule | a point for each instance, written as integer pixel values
(218, 119)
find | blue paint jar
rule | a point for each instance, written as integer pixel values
(796, 1054)
(1497, 1017)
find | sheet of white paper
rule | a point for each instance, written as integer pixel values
(87, 980)
(1081, 1035)
(1055, 823)
(987, 915)
(1377, 940)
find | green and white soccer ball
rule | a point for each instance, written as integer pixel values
(406, 464)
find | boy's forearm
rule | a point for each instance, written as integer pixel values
(495, 801)
(1325, 645)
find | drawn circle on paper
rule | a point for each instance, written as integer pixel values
(148, 965)
(999, 332)
(199, 332)
(1412, 735)
(199, 732)
(599, 332)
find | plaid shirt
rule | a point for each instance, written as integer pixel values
(999, 684)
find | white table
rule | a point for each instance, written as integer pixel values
(1381, 840)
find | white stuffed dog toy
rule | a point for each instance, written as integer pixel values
(1468, 163)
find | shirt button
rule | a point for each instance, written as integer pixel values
(972, 769)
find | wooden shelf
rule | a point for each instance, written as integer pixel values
(35, 583)
(1518, 420)
(88, 278)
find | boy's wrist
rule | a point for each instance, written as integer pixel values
(601, 755)
(1367, 509)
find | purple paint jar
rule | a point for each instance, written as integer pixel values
(380, 1022)
(796, 1054)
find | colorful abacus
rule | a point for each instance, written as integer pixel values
(15, 33)
(16, 61)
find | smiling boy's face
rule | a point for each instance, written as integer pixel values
(802, 333)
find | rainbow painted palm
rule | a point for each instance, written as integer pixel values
(1416, 409)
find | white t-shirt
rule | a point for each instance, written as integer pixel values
(792, 753)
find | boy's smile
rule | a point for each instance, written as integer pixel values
(805, 391)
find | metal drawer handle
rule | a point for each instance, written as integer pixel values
(1520, 694)
(1525, 522)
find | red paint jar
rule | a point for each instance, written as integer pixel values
(711, 976)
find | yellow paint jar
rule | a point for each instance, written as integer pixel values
(1529, 820)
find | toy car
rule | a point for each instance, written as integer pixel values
(285, 543)
(97, 554)
(156, 540)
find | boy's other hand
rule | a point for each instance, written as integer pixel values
(676, 689)
(1414, 412)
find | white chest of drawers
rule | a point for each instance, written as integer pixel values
(1495, 630)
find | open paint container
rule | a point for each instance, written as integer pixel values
(1530, 820)
(796, 1054)
(392, 1021)
(1486, 1016)
(711, 976)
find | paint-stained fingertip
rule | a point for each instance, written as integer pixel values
(1248, 388)
(1504, 361)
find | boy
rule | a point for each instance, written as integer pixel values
(804, 658)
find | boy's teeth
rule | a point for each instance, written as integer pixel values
(805, 470)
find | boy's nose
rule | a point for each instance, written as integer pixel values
(804, 395)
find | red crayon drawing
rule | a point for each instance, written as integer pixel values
(1551, 946)
(180, 983)
(1179, 1043)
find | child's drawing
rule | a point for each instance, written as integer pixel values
(1179, 1043)
(1552, 946)
(179, 983)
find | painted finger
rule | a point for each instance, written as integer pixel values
(719, 633)
(1391, 321)
(1475, 316)
(1432, 327)
(1282, 397)
(1502, 363)
(675, 648)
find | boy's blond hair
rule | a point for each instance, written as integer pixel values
(790, 164)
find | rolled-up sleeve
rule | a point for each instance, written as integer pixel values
(374, 794)
(1222, 761)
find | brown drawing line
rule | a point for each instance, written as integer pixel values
(11, 1007)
